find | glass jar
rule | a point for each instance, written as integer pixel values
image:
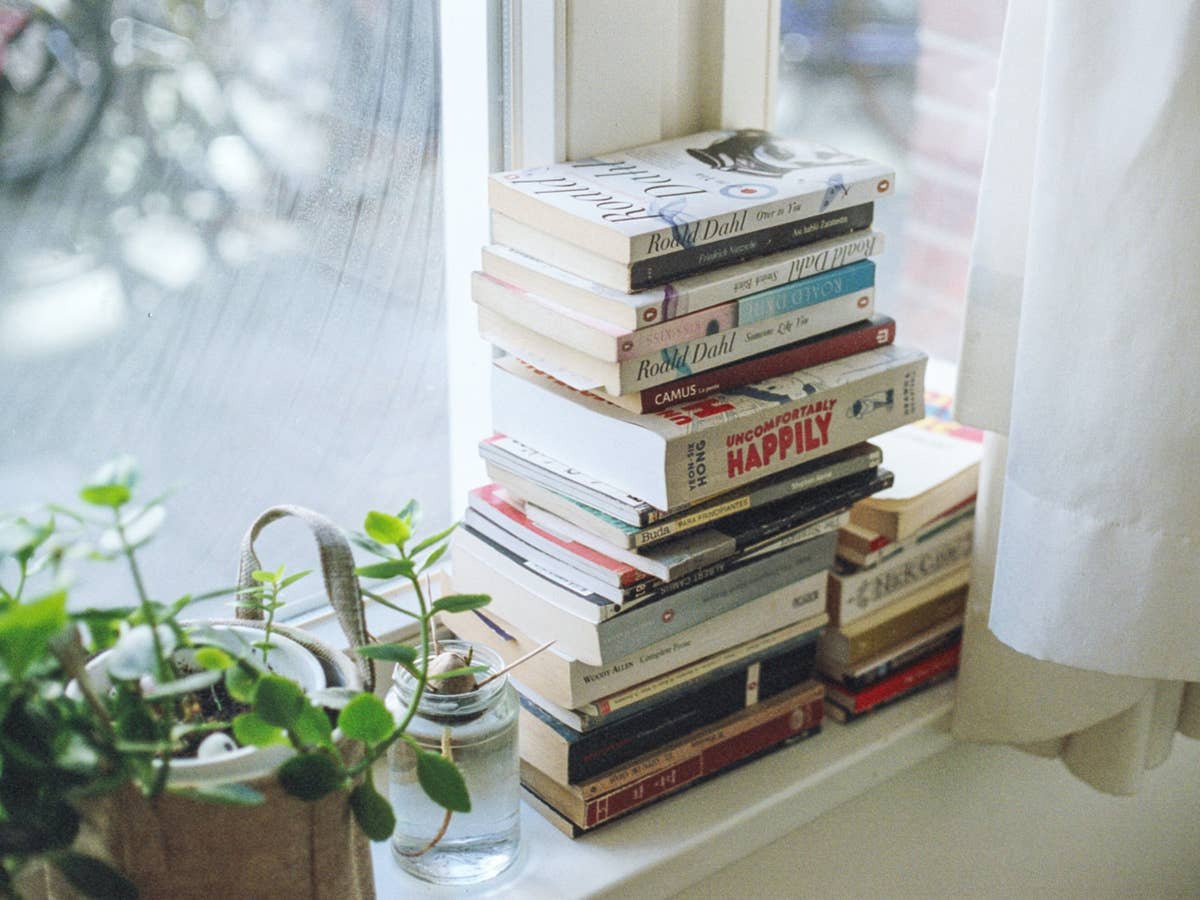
(478, 731)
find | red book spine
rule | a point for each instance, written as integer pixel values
(905, 679)
(721, 755)
(846, 341)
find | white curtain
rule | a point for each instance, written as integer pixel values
(1081, 358)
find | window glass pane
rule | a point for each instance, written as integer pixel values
(907, 82)
(221, 252)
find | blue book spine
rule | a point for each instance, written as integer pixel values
(806, 292)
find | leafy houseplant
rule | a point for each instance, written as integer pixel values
(97, 704)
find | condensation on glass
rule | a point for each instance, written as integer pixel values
(221, 251)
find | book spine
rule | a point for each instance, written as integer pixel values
(778, 301)
(703, 354)
(874, 640)
(854, 338)
(591, 682)
(782, 577)
(597, 751)
(646, 273)
(722, 454)
(853, 595)
(696, 762)
(899, 684)
(884, 670)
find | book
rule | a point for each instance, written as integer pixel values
(704, 752)
(937, 466)
(845, 705)
(737, 660)
(778, 586)
(696, 451)
(805, 515)
(680, 298)
(875, 668)
(865, 547)
(569, 756)
(700, 354)
(846, 341)
(898, 621)
(855, 592)
(565, 490)
(604, 342)
(573, 684)
(649, 273)
(688, 194)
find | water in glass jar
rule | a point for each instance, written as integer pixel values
(477, 845)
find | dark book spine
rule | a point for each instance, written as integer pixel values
(596, 751)
(883, 670)
(648, 273)
(901, 684)
(720, 756)
(846, 341)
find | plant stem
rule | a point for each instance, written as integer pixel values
(271, 607)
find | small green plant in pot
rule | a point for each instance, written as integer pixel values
(143, 751)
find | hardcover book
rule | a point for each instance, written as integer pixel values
(778, 586)
(706, 751)
(701, 354)
(687, 193)
(695, 451)
(680, 298)
(548, 483)
(573, 684)
(569, 756)
(875, 668)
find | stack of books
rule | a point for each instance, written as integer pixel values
(898, 589)
(694, 371)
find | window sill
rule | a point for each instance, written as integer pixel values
(714, 824)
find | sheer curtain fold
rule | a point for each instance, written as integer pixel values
(1079, 356)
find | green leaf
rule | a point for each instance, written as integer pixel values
(262, 576)
(391, 568)
(225, 794)
(313, 728)
(366, 719)
(442, 782)
(27, 628)
(292, 579)
(397, 653)
(434, 557)
(411, 512)
(241, 681)
(311, 776)
(279, 700)
(251, 730)
(386, 529)
(214, 658)
(455, 603)
(110, 495)
(430, 541)
(93, 877)
(372, 812)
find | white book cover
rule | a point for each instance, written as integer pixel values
(698, 450)
(682, 296)
(687, 192)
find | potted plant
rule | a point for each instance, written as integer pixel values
(143, 751)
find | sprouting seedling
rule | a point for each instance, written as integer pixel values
(266, 598)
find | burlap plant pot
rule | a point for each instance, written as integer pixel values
(180, 847)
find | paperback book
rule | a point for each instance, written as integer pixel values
(714, 748)
(571, 756)
(875, 668)
(686, 193)
(573, 684)
(680, 298)
(845, 704)
(777, 586)
(698, 450)
(626, 520)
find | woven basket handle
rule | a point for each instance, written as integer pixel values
(337, 568)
